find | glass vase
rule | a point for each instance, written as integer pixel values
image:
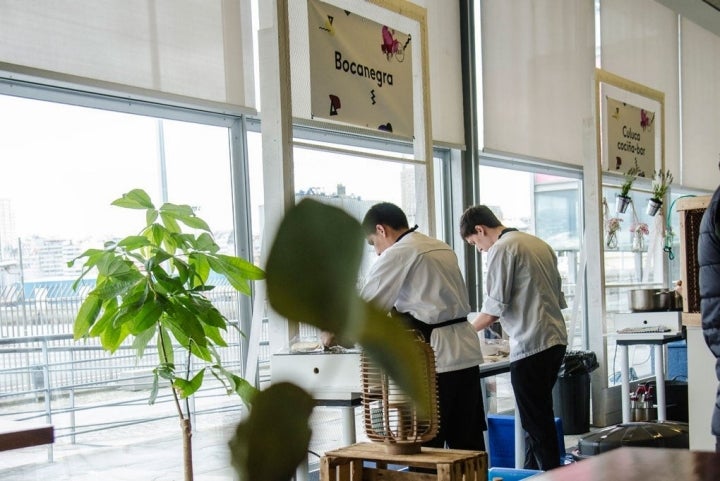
(612, 241)
(638, 241)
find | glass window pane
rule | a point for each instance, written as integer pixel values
(63, 165)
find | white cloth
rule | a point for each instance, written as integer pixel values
(525, 292)
(420, 276)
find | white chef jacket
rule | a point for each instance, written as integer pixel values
(420, 276)
(524, 289)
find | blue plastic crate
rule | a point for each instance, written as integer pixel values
(677, 360)
(501, 437)
(509, 474)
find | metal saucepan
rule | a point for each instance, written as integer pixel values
(652, 300)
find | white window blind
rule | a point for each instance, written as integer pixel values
(700, 112)
(537, 69)
(640, 43)
(192, 48)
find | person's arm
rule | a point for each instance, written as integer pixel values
(384, 280)
(483, 320)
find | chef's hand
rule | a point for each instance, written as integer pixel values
(327, 339)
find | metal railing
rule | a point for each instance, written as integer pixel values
(46, 375)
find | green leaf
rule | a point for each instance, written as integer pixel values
(165, 346)
(239, 267)
(206, 243)
(156, 234)
(236, 270)
(244, 389)
(135, 199)
(270, 443)
(187, 388)
(142, 340)
(165, 371)
(151, 216)
(169, 222)
(112, 287)
(396, 351)
(199, 262)
(110, 310)
(312, 276)
(203, 352)
(214, 318)
(155, 388)
(187, 320)
(134, 242)
(146, 317)
(213, 333)
(86, 316)
(113, 336)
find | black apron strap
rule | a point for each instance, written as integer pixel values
(424, 328)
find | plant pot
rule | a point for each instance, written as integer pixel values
(621, 203)
(653, 207)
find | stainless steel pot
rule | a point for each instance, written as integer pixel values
(652, 300)
(643, 299)
(666, 300)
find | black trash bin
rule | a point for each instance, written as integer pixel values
(571, 393)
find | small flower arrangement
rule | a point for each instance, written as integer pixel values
(612, 225)
(640, 227)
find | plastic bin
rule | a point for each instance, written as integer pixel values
(571, 393)
(508, 474)
(501, 440)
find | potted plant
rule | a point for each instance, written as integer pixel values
(622, 200)
(152, 286)
(660, 184)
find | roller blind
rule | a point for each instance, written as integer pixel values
(193, 48)
(701, 106)
(537, 69)
(640, 43)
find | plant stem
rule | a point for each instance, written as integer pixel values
(187, 448)
(185, 424)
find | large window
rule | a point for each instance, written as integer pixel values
(642, 253)
(546, 205)
(352, 172)
(63, 165)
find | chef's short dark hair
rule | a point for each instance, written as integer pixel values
(384, 213)
(477, 215)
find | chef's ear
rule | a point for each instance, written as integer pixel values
(480, 229)
(380, 229)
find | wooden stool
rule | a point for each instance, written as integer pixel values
(347, 464)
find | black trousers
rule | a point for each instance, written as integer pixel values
(462, 414)
(532, 380)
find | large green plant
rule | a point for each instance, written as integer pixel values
(311, 276)
(152, 286)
